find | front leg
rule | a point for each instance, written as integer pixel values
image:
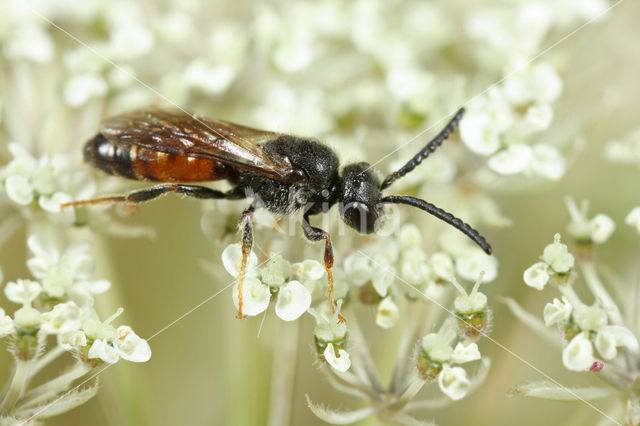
(317, 234)
(246, 224)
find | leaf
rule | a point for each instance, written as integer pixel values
(67, 401)
(338, 417)
(548, 390)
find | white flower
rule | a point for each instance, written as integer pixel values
(231, 257)
(52, 203)
(293, 300)
(308, 270)
(590, 317)
(72, 339)
(255, 296)
(469, 303)
(293, 54)
(413, 267)
(30, 42)
(383, 280)
(557, 256)
(538, 117)
(453, 382)
(479, 134)
(515, 159)
(557, 312)
(80, 88)
(539, 84)
(441, 265)
(342, 362)
(537, 275)
(547, 162)
(129, 40)
(358, 268)
(22, 291)
(465, 353)
(210, 78)
(633, 218)
(601, 227)
(474, 261)
(610, 337)
(6, 324)
(130, 346)
(276, 271)
(19, 189)
(387, 313)
(578, 354)
(437, 346)
(409, 236)
(63, 318)
(26, 317)
(58, 272)
(100, 349)
(327, 328)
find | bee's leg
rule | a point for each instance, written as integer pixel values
(146, 194)
(317, 234)
(247, 242)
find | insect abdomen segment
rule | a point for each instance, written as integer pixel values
(136, 162)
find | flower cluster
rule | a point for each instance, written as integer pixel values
(364, 71)
(596, 337)
(60, 304)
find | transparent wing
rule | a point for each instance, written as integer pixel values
(176, 132)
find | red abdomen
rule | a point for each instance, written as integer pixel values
(135, 162)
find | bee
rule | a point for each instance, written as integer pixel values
(280, 172)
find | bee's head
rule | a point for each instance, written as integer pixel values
(360, 198)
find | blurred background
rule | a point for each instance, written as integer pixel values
(366, 77)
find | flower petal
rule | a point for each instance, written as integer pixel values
(255, 296)
(293, 300)
(453, 382)
(342, 362)
(578, 354)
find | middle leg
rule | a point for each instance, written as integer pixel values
(317, 234)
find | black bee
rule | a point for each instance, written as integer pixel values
(280, 172)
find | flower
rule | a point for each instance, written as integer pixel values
(557, 256)
(633, 218)
(341, 362)
(596, 230)
(537, 275)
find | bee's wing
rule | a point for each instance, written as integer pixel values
(176, 132)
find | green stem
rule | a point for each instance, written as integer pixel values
(16, 386)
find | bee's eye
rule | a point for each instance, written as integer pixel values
(360, 217)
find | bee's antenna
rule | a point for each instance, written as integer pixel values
(424, 152)
(440, 214)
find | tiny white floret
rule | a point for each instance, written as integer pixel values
(453, 382)
(558, 257)
(232, 256)
(255, 296)
(537, 275)
(342, 362)
(578, 354)
(387, 313)
(293, 300)
(633, 218)
(465, 353)
(557, 312)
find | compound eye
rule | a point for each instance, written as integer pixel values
(360, 217)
